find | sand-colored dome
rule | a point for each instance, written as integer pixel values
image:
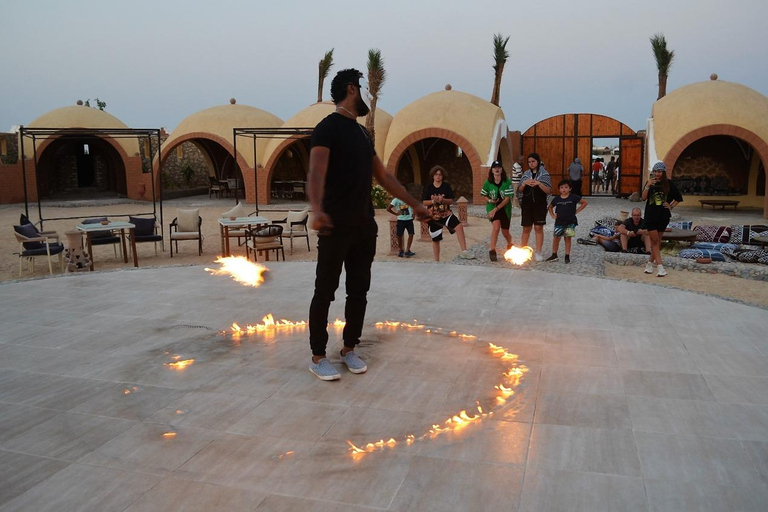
(218, 123)
(477, 120)
(79, 116)
(705, 104)
(313, 114)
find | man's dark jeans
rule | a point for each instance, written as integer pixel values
(354, 247)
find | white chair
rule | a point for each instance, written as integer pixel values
(34, 244)
(296, 226)
(187, 226)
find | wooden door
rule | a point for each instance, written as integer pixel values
(630, 165)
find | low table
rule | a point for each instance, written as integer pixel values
(722, 203)
(89, 229)
(679, 235)
(225, 224)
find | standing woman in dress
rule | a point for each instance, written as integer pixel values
(660, 196)
(498, 191)
(533, 192)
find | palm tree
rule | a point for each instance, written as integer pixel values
(663, 61)
(500, 55)
(324, 67)
(376, 78)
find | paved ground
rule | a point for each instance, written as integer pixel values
(662, 405)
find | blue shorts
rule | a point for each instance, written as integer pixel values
(403, 226)
(568, 231)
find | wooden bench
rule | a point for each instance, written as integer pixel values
(722, 203)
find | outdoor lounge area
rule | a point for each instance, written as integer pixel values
(99, 414)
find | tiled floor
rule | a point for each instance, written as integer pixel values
(636, 398)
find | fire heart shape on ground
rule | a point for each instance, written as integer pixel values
(504, 390)
(519, 255)
(241, 269)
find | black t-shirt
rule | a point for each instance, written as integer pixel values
(631, 226)
(438, 210)
(654, 209)
(565, 209)
(347, 196)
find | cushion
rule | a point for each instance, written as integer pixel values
(297, 216)
(763, 259)
(240, 210)
(719, 234)
(692, 254)
(681, 224)
(98, 234)
(745, 234)
(187, 220)
(29, 231)
(55, 248)
(184, 235)
(608, 222)
(144, 226)
(602, 230)
(751, 256)
(713, 246)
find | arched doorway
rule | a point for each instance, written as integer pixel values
(80, 167)
(289, 172)
(413, 167)
(716, 165)
(191, 162)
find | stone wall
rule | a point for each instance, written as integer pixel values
(714, 165)
(188, 172)
(9, 148)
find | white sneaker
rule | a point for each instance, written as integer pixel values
(649, 268)
(466, 255)
(538, 257)
(661, 272)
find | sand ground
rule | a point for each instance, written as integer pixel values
(477, 232)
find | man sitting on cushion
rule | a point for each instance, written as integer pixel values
(632, 233)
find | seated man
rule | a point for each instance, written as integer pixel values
(632, 233)
(608, 242)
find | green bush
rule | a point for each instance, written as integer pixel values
(379, 197)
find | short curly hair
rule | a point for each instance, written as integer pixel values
(437, 168)
(340, 82)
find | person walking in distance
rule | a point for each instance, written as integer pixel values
(342, 163)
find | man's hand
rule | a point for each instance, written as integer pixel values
(322, 223)
(421, 213)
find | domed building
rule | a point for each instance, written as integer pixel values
(459, 131)
(210, 132)
(713, 138)
(81, 166)
(287, 160)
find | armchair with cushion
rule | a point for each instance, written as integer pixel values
(34, 244)
(296, 226)
(103, 237)
(263, 240)
(146, 231)
(187, 226)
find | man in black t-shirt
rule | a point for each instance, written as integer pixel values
(633, 234)
(342, 163)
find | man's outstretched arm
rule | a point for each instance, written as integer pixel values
(391, 185)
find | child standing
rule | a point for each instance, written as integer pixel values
(563, 209)
(404, 223)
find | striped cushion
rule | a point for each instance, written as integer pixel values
(692, 254)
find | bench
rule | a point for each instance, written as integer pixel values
(722, 203)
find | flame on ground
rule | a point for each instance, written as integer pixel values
(519, 255)
(169, 435)
(241, 269)
(180, 365)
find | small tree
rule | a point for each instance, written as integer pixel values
(99, 104)
(324, 67)
(376, 78)
(500, 56)
(663, 58)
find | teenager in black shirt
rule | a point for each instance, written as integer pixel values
(438, 195)
(342, 162)
(661, 195)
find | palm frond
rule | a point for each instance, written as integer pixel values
(500, 53)
(323, 67)
(377, 75)
(662, 55)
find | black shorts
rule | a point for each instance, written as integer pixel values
(635, 241)
(657, 224)
(436, 227)
(501, 216)
(403, 226)
(533, 213)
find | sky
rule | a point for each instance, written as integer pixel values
(155, 63)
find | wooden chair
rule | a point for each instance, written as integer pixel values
(146, 231)
(214, 187)
(33, 244)
(296, 226)
(187, 226)
(265, 239)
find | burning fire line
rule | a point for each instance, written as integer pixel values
(519, 255)
(180, 365)
(512, 378)
(241, 269)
